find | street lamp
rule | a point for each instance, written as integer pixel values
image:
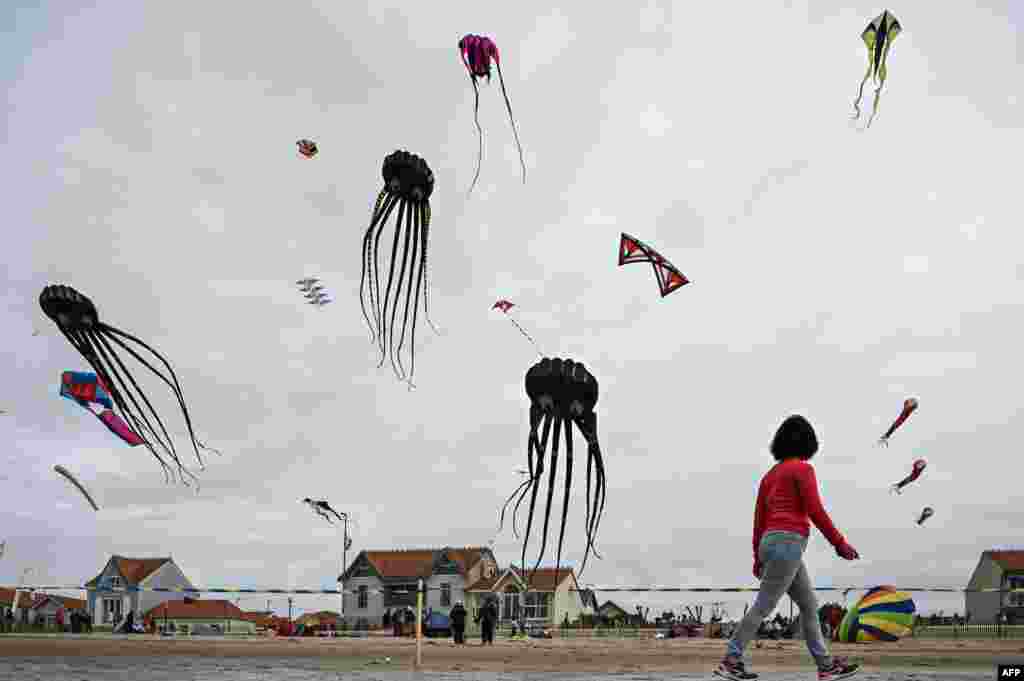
(346, 544)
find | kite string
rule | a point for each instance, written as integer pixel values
(525, 335)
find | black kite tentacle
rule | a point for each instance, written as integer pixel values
(504, 507)
(414, 240)
(400, 373)
(107, 374)
(535, 417)
(425, 236)
(104, 348)
(479, 133)
(378, 211)
(515, 132)
(540, 447)
(538, 472)
(416, 307)
(382, 302)
(197, 444)
(415, 312)
(375, 263)
(553, 459)
(382, 326)
(565, 498)
(116, 395)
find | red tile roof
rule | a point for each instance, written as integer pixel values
(207, 609)
(1008, 560)
(67, 603)
(543, 579)
(319, 618)
(25, 600)
(134, 569)
(260, 619)
(416, 563)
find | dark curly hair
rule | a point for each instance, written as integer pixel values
(795, 438)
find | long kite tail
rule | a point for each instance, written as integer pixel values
(860, 93)
(874, 106)
(479, 133)
(526, 335)
(515, 132)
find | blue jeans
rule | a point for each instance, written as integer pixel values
(783, 571)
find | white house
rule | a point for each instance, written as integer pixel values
(116, 590)
(996, 570)
(546, 596)
(378, 581)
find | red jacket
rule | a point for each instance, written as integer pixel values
(787, 500)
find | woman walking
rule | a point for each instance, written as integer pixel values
(787, 502)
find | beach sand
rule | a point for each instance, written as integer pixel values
(573, 656)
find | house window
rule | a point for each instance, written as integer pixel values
(363, 598)
(536, 605)
(115, 582)
(446, 595)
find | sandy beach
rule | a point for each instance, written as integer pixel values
(678, 655)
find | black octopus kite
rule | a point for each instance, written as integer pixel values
(76, 317)
(408, 184)
(560, 392)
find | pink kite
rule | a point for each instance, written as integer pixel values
(477, 53)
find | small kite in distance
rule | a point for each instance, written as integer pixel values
(909, 407)
(877, 37)
(307, 148)
(313, 291)
(927, 513)
(74, 481)
(322, 508)
(633, 250)
(919, 467)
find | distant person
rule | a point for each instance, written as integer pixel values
(787, 502)
(387, 617)
(488, 618)
(458, 619)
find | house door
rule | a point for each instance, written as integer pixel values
(510, 606)
(112, 609)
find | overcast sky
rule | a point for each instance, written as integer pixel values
(149, 160)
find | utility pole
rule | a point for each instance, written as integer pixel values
(290, 631)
